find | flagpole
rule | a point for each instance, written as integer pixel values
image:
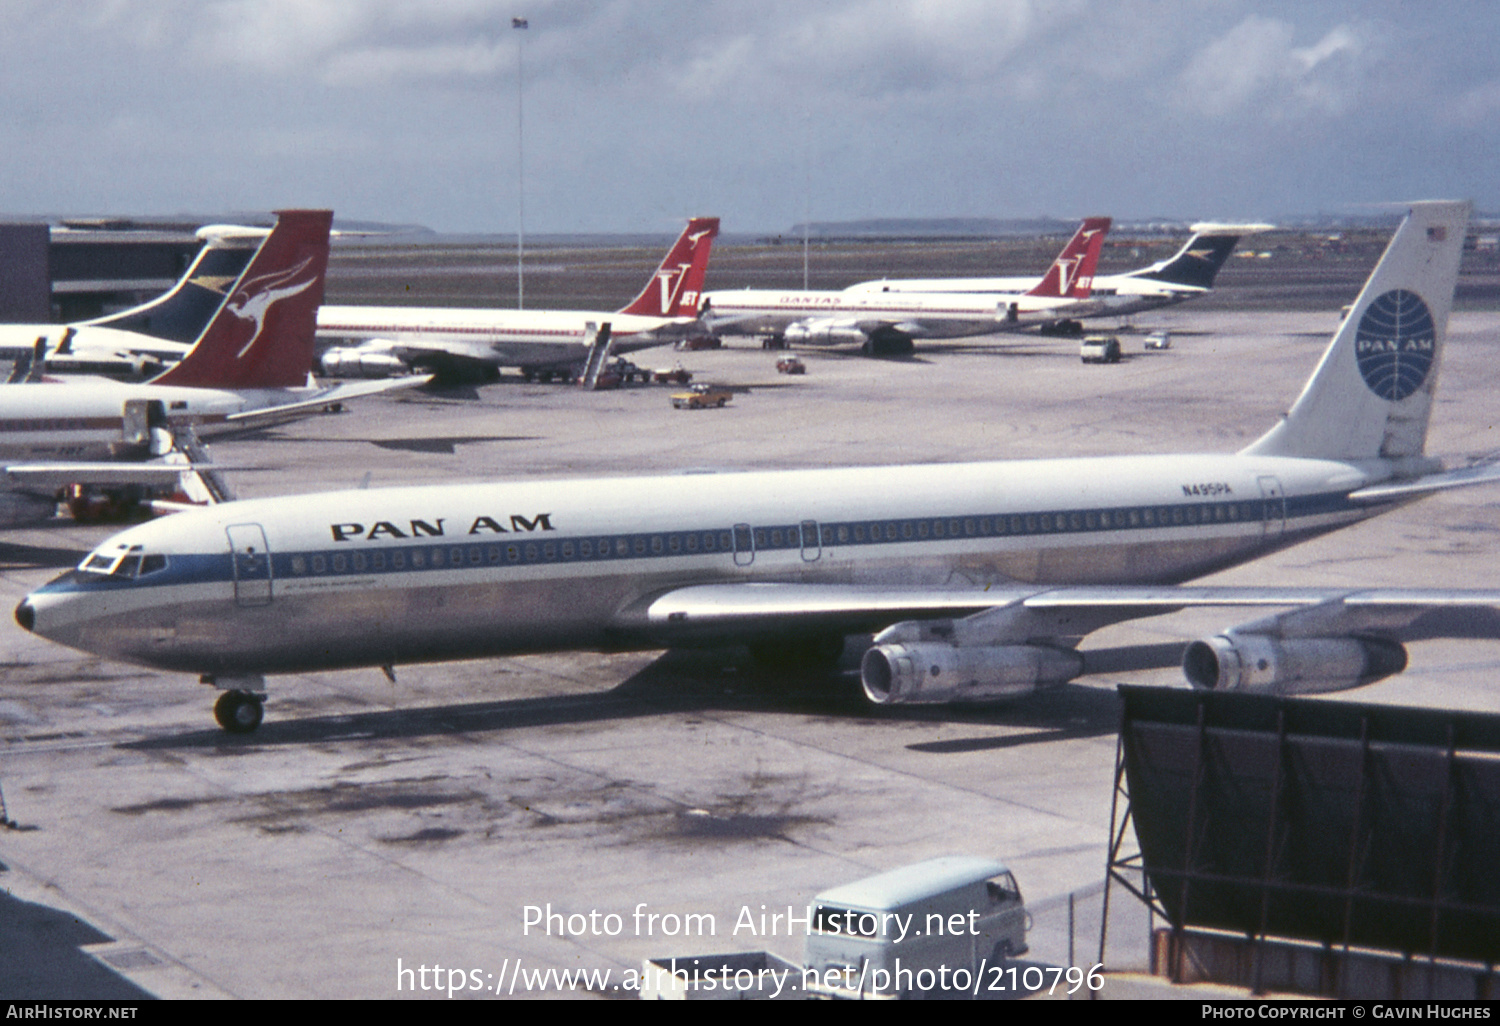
(520, 23)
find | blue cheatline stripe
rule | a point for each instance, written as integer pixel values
(478, 551)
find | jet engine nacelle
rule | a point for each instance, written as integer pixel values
(905, 674)
(1266, 665)
(124, 366)
(361, 362)
(824, 332)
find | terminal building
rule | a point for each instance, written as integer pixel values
(77, 269)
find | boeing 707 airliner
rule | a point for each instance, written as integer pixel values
(886, 324)
(1186, 274)
(979, 578)
(460, 343)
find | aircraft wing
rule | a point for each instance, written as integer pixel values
(975, 643)
(51, 476)
(700, 608)
(327, 397)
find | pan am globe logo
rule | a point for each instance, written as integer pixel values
(1395, 344)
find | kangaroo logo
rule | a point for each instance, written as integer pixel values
(254, 300)
(1395, 344)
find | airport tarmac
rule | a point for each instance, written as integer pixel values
(371, 827)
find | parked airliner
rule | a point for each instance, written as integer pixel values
(459, 343)
(143, 341)
(980, 578)
(887, 324)
(1187, 274)
(249, 368)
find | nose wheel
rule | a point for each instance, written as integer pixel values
(239, 712)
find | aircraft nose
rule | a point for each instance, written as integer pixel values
(25, 615)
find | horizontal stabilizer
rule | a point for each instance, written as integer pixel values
(1475, 474)
(327, 397)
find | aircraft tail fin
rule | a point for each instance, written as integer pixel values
(674, 289)
(1371, 394)
(1197, 263)
(181, 314)
(262, 334)
(1071, 275)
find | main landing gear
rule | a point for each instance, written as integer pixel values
(810, 652)
(239, 709)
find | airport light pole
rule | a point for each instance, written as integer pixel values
(806, 189)
(520, 24)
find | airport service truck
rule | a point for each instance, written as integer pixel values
(897, 934)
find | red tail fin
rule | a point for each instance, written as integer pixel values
(262, 336)
(1072, 273)
(674, 289)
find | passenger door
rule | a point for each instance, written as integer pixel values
(1274, 498)
(744, 545)
(812, 545)
(252, 564)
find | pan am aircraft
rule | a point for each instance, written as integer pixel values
(887, 323)
(458, 343)
(980, 578)
(1187, 274)
(249, 369)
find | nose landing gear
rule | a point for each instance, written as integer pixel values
(238, 710)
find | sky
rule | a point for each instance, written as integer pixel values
(636, 114)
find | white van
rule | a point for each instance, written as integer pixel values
(908, 931)
(1099, 349)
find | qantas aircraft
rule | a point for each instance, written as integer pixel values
(141, 342)
(980, 578)
(886, 323)
(1185, 275)
(459, 343)
(250, 368)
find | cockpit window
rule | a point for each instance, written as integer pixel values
(122, 561)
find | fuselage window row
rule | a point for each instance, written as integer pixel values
(774, 538)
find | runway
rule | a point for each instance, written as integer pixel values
(369, 828)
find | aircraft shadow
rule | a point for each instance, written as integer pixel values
(414, 443)
(697, 681)
(44, 957)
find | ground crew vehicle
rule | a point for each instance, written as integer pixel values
(699, 397)
(898, 933)
(1100, 349)
(676, 375)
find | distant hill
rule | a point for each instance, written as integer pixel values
(935, 227)
(913, 228)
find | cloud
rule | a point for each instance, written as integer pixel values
(1254, 68)
(1479, 106)
(385, 65)
(405, 109)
